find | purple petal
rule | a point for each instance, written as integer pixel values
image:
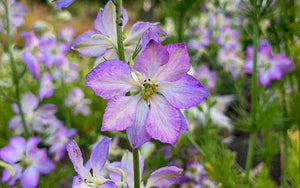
(114, 174)
(98, 24)
(120, 113)
(29, 102)
(164, 177)
(99, 156)
(109, 17)
(32, 64)
(137, 31)
(178, 64)
(111, 78)
(137, 134)
(46, 111)
(14, 151)
(32, 143)
(30, 177)
(163, 122)
(283, 62)
(151, 59)
(152, 33)
(183, 93)
(108, 184)
(63, 3)
(46, 86)
(15, 123)
(184, 124)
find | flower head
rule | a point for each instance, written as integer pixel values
(79, 103)
(228, 38)
(206, 76)
(27, 160)
(201, 38)
(145, 100)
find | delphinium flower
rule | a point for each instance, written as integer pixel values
(201, 38)
(195, 176)
(205, 76)
(101, 42)
(269, 67)
(145, 100)
(228, 38)
(62, 3)
(216, 20)
(27, 160)
(17, 11)
(231, 62)
(114, 147)
(46, 87)
(35, 116)
(77, 101)
(160, 178)
(58, 142)
(90, 175)
(67, 34)
(67, 71)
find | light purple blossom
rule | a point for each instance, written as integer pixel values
(269, 67)
(35, 116)
(46, 87)
(230, 61)
(101, 42)
(67, 71)
(206, 76)
(201, 38)
(27, 160)
(228, 38)
(67, 34)
(97, 162)
(16, 11)
(159, 87)
(62, 3)
(58, 142)
(78, 102)
(217, 20)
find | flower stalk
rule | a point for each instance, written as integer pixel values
(15, 75)
(136, 168)
(119, 24)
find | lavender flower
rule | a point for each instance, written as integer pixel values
(206, 76)
(67, 71)
(46, 86)
(78, 102)
(62, 3)
(231, 62)
(269, 67)
(67, 34)
(17, 11)
(201, 38)
(35, 116)
(101, 42)
(97, 161)
(27, 160)
(158, 89)
(228, 38)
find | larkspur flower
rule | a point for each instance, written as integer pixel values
(205, 76)
(101, 42)
(17, 11)
(78, 102)
(201, 38)
(46, 87)
(97, 162)
(35, 116)
(269, 67)
(67, 34)
(67, 71)
(228, 38)
(231, 62)
(62, 3)
(160, 89)
(27, 160)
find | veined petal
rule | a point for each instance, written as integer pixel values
(109, 20)
(164, 177)
(30, 177)
(183, 93)
(108, 184)
(120, 113)
(98, 24)
(111, 78)
(137, 31)
(154, 32)
(163, 122)
(151, 59)
(178, 64)
(137, 134)
(91, 47)
(99, 156)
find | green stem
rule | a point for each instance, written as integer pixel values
(15, 75)
(119, 24)
(253, 103)
(136, 168)
(180, 26)
(65, 95)
(193, 141)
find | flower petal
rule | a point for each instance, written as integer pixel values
(183, 93)
(63, 3)
(99, 156)
(111, 78)
(109, 20)
(184, 124)
(137, 134)
(164, 177)
(163, 122)
(29, 102)
(120, 113)
(32, 64)
(14, 151)
(137, 31)
(30, 177)
(108, 184)
(178, 64)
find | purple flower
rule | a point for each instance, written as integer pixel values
(230, 61)
(27, 160)
(46, 86)
(62, 3)
(97, 161)
(161, 178)
(17, 11)
(67, 71)
(159, 87)
(101, 42)
(35, 116)
(78, 102)
(269, 67)
(228, 38)
(206, 76)
(67, 34)
(58, 142)
(201, 38)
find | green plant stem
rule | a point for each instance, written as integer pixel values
(179, 25)
(136, 168)
(250, 153)
(193, 141)
(15, 75)
(119, 24)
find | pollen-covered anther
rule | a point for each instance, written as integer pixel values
(149, 89)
